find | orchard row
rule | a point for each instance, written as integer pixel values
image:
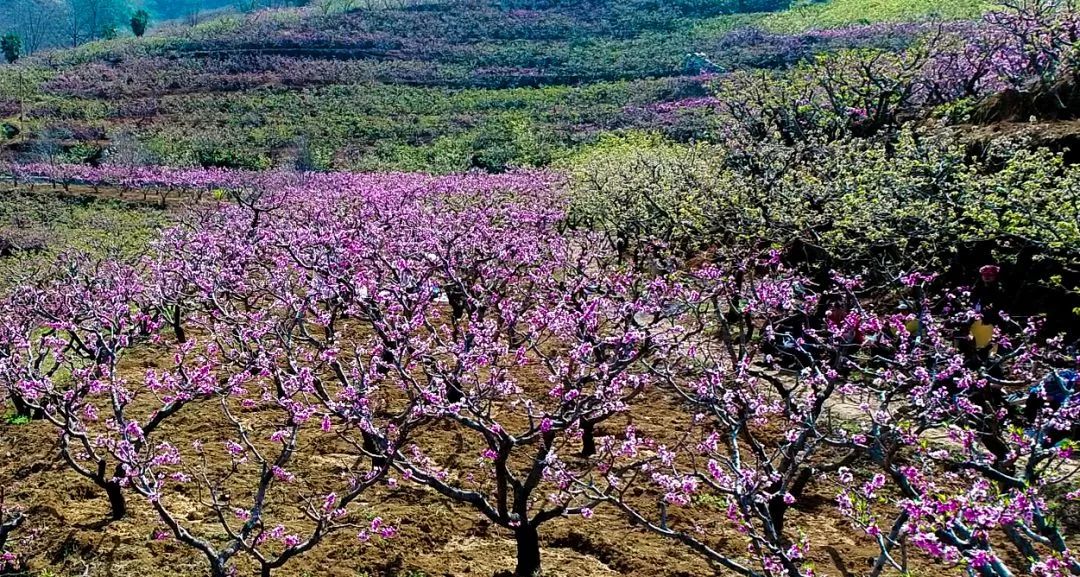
(335, 332)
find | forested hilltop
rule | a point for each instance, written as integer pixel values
(763, 288)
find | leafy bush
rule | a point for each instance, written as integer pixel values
(139, 21)
(11, 46)
(859, 206)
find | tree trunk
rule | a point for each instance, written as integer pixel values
(373, 445)
(117, 502)
(776, 509)
(177, 325)
(588, 439)
(24, 410)
(217, 568)
(528, 551)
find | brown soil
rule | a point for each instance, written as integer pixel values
(1058, 101)
(1062, 136)
(436, 538)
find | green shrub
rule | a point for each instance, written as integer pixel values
(139, 21)
(857, 205)
(11, 46)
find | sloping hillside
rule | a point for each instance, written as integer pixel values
(443, 86)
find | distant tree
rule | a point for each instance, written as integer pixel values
(126, 150)
(39, 23)
(11, 46)
(21, 86)
(92, 19)
(139, 20)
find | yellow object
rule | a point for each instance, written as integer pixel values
(982, 333)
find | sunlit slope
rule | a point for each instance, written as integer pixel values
(838, 13)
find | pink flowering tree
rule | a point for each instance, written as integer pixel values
(63, 338)
(973, 435)
(549, 346)
(757, 385)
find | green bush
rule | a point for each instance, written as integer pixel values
(857, 205)
(139, 21)
(11, 46)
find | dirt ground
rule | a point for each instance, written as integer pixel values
(436, 537)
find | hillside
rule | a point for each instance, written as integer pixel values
(441, 86)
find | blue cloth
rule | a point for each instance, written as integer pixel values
(1058, 386)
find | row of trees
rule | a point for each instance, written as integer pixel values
(453, 333)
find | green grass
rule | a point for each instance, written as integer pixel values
(16, 420)
(840, 13)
